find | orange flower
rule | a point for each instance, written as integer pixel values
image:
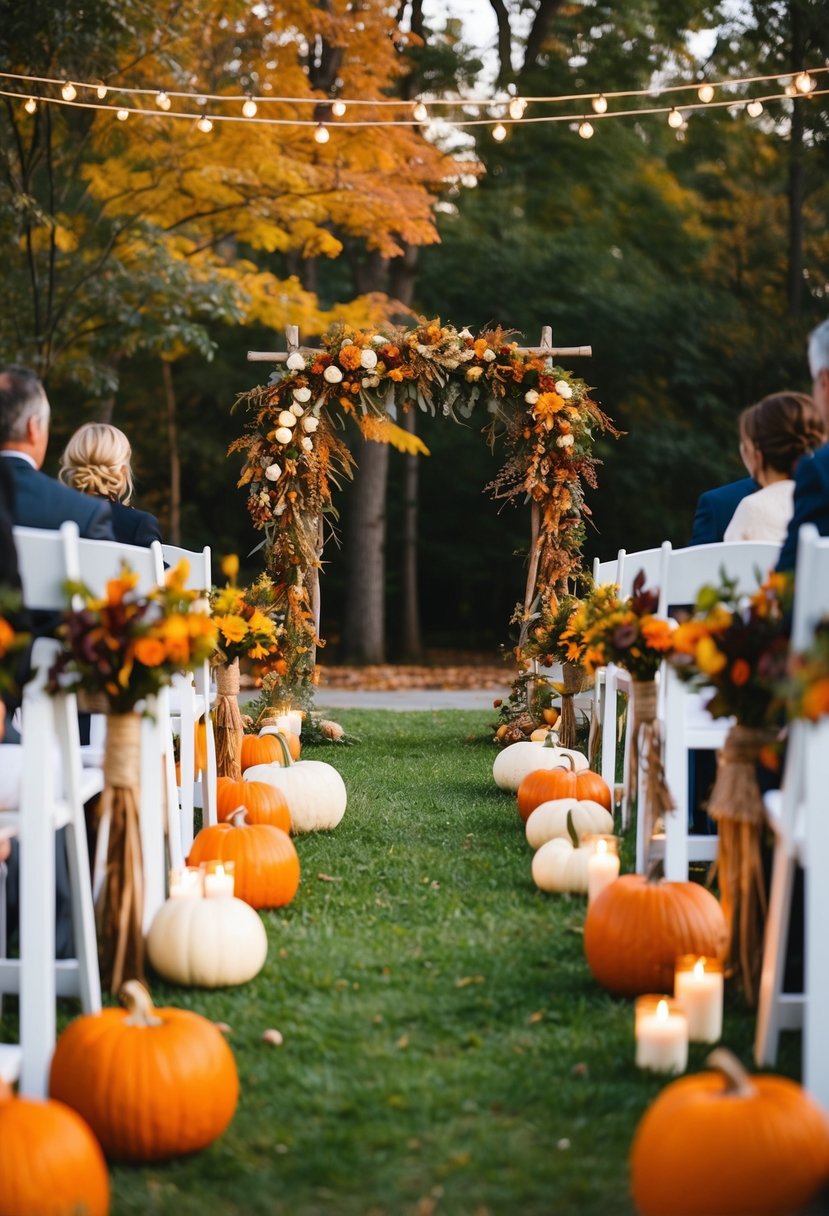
(117, 588)
(349, 357)
(175, 634)
(396, 374)
(547, 405)
(740, 672)
(816, 699)
(150, 652)
(657, 633)
(479, 346)
(6, 635)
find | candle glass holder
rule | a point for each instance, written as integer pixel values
(698, 989)
(218, 878)
(602, 864)
(186, 882)
(661, 1031)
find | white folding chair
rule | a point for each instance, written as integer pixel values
(46, 560)
(687, 725)
(801, 825)
(190, 702)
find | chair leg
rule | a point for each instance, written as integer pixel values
(152, 817)
(767, 1034)
(4, 938)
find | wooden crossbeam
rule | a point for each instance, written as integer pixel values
(292, 335)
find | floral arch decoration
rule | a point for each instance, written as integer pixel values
(295, 455)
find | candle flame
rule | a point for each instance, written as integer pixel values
(662, 1011)
(601, 846)
(699, 968)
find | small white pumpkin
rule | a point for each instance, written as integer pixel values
(315, 791)
(207, 943)
(558, 867)
(549, 820)
(514, 762)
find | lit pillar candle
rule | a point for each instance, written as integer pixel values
(661, 1035)
(295, 721)
(218, 879)
(698, 989)
(185, 883)
(602, 864)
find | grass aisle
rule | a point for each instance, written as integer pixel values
(445, 1049)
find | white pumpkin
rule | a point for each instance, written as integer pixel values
(549, 820)
(315, 792)
(557, 866)
(514, 762)
(207, 943)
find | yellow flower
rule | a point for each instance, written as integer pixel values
(232, 628)
(174, 632)
(230, 567)
(228, 600)
(259, 623)
(710, 660)
(176, 578)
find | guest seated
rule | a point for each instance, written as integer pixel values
(811, 482)
(97, 461)
(774, 435)
(715, 509)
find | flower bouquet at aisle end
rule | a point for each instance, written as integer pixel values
(125, 647)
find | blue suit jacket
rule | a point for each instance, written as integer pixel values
(42, 502)
(811, 503)
(715, 508)
(133, 527)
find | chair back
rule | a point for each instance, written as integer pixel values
(686, 570)
(200, 577)
(102, 560)
(630, 564)
(605, 572)
(811, 598)
(46, 561)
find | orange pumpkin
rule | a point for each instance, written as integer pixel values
(50, 1162)
(263, 803)
(266, 749)
(151, 1083)
(550, 784)
(728, 1143)
(636, 928)
(265, 860)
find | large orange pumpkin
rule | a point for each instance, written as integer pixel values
(267, 749)
(726, 1143)
(263, 803)
(636, 928)
(265, 860)
(151, 1083)
(550, 784)
(50, 1162)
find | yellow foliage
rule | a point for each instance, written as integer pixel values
(380, 430)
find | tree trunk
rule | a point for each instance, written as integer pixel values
(175, 456)
(364, 638)
(411, 642)
(796, 179)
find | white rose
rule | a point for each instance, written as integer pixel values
(346, 342)
(310, 424)
(531, 397)
(302, 395)
(297, 410)
(307, 445)
(378, 340)
(563, 389)
(286, 418)
(465, 333)
(273, 472)
(295, 362)
(370, 381)
(489, 355)
(283, 435)
(565, 441)
(474, 373)
(368, 359)
(332, 374)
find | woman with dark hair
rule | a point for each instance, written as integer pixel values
(774, 435)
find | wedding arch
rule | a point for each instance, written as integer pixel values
(295, 456)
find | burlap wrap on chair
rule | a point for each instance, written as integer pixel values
(228, 729)
(737, 805)
(646, 751)
(574, 680)
(119, 910)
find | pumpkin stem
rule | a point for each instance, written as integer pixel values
(239, 817)
(737, 1080)
(551, 739)
(287, 759)
(139, 1005)
(571, 830)
(567, 761)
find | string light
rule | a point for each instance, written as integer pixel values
(600, 104)
(499, 132)
(101, 92)
(162, 100)
(338, 109)
(516, 107)
(205, 125)
(804, 83)
(122, 115)
(754, 108)
(249, 108)
(675, 119)
(791, 89)
(30, 106)
(69, 92)
(585, 130)
(420, 113)
(322, 134)
(705, 92)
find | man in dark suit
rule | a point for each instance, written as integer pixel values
(40, 501)
(715, 508)
(811, 480)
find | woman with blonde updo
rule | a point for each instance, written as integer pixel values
(774, 435)
(96, 461)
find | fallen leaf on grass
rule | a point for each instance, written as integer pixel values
(536, 1017)
(402, 1042)
(470, 979)
(274, 1037)
(327, 878)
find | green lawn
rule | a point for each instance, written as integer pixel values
(445, 1048)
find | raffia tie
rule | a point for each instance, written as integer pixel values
(227, 679)
(646, 751)
(644, 714)
(574, 680)
(229, 730)
(120, 907)
(122, 757)
(737, 805)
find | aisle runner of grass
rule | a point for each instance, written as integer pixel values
(445, 1049)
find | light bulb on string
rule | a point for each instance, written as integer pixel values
(420, 113)
(600, 104)
(69, 92)
(30, 106)
(101, 92)
(675, 119)
(516, 107)
(586, 129)
(338, 109)
(804, 83)
(791, 89)
(205, 125)
(122, 115)
(322, 134)
(754, 108)
(499, 132)
(162, 101)
(705, 92)
(249, 108)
